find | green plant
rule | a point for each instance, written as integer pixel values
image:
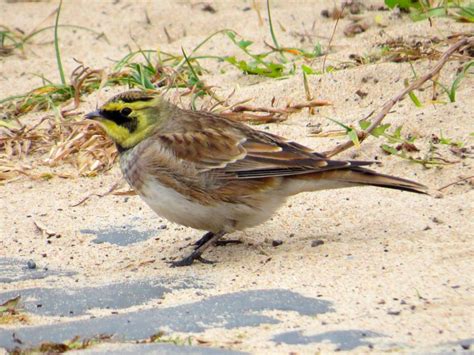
(446, 141)
(451, 91)
(10, 312)
(424, 9)
(259, 65)
(57, 348)
(404, 146)
(161, 337)
(11, 39)
(351, 132)
(412, 94)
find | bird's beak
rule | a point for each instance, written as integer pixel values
(94, 115)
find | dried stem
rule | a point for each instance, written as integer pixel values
(333, 33)
(289, 109)
(117, 184)
(456, 182)
(266, 114)
(413, 86)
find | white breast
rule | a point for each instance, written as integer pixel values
(221, 216)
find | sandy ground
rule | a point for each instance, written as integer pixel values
(394, 264)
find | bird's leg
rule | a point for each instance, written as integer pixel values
(203, 240)
(221, 243)
(208, 236)
(210, 239)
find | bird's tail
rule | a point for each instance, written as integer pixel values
(363, 176)
(351, 176)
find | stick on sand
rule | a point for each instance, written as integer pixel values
(413, 86)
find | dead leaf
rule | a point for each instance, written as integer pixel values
(355, 28)
(407, 147)
(361, 94)
(10, 305)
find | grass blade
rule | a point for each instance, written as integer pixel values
(56, 45)
(275, 42)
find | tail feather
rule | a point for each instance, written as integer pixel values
(363, 176)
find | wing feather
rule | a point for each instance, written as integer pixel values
(232, 150)
(245, 154)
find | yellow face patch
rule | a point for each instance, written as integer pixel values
(137, 105)
(119, 134)
(128, 123)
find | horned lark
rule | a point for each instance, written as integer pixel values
(204, 171)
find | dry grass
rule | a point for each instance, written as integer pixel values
(50, 142)
(67, 138)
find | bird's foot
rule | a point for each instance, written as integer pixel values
(201, 245)
(208, 236)
(188, 260)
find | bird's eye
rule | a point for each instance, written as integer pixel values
(125, 111)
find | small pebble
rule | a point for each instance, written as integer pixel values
(31, 264)
(316, 243)
(394, 313)
(276, 243)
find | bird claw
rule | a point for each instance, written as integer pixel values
(205, 261)
(188, 260)
(201, 245)
(219, 243)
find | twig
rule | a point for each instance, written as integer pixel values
(45, 231)
(168, 37)
(241, 112)
(256, 7)
(251, 118)
(333, 33)
(309, 94)
(78, 77)
(389, 104)
(456, 182)
(111, 189)
(289, 109)
(313, 103)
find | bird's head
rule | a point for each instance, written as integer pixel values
(130, 117)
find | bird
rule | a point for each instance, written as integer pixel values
(205, 171)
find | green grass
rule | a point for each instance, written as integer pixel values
(11, 40)
(151, 69)
(451, 90)
(50, 94)
(404, 147)
(424, 9)
(56, 45)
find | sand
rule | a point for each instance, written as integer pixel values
(392, 263)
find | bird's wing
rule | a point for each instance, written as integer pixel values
(244, 153)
